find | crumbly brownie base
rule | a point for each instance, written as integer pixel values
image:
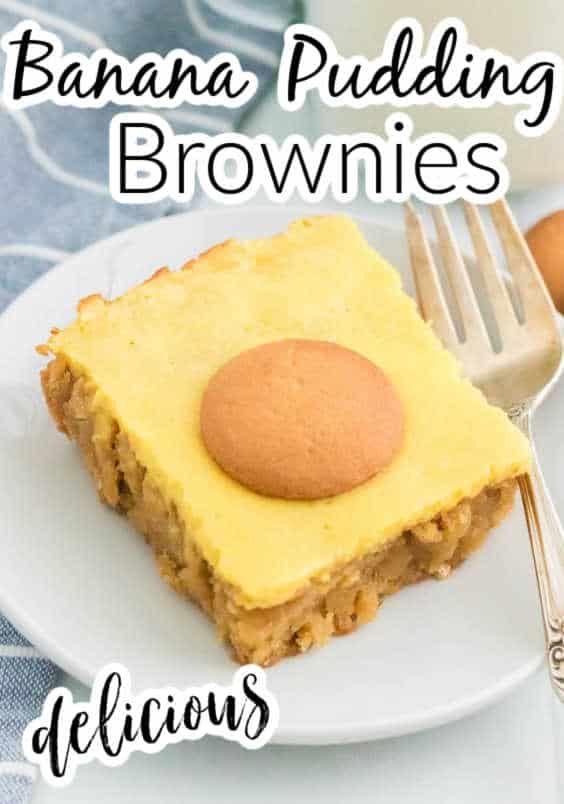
(350, 596)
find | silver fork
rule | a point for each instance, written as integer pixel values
(515, 376)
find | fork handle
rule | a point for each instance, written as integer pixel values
(547, 543)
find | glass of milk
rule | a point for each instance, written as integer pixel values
(515, 27)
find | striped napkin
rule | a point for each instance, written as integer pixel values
(53, 164)
(25, 679)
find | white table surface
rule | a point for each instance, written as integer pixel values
(512, 753)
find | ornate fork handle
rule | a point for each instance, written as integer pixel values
(547, 542)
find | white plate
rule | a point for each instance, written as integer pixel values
(82, 585)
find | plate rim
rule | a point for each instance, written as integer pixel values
(358, 731)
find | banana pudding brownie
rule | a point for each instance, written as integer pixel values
(285, 430)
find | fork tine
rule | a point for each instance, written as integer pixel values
(535, 299)
(495, 286)
(465, 299)
(430, 295)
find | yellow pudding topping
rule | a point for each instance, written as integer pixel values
(150, 355)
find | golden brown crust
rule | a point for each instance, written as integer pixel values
(215, 254)
(89, 303)
(158, 273)
(338, 604)
(57, 383)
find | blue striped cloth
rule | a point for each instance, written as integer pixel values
(53, 164)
